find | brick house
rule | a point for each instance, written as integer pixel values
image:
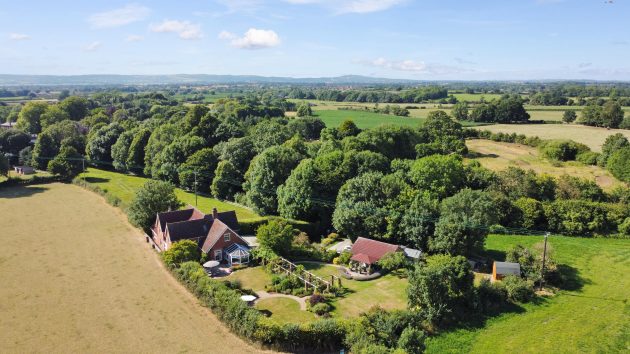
(216, 234)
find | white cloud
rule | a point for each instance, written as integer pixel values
(134, 38)
(184, 29)
(92, 46)
(252, 39)
(19, 36)
(403, 65)
(119, 17)
(224, 35)
(351, 6)
(414, 66)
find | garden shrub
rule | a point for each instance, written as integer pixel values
(491, 296)
(321, 309)
(316, 299)
(393, 261)
(518, 289)
(180, 252)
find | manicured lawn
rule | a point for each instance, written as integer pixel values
(388, 292)
(365, 120)
(285, 310)
(254, 278)
(75, 277)
(592, 317)
(124, 187)
(498, 156)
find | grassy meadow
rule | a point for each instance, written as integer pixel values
(498, 156)
(592, 316)
(124, 187)
(284, 310)
(77, 278)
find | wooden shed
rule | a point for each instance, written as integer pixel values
(503, 269)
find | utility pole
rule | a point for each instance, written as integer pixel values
(195, 187)
(542, 269)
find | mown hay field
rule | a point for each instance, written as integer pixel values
(498, 156)
(593, 137)
(77, 278)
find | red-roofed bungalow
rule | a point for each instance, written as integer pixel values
(367, 252)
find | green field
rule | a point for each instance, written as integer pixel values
(124, 187)
(593, 316)
(366, 119)
(476, 97)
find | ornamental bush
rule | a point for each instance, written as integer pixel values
(518, 289)
(321, 309)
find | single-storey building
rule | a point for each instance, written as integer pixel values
(502, 269)
(366, 252)
(24, 170)
(8, 125)
(216, 234)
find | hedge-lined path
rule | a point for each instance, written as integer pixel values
(262, 295)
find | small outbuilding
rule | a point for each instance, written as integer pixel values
(24, 170)
(503, 269)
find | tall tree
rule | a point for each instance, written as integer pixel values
(152, 198)
(460, 111)
(76, 107)
(29, 118)
(266, 173)
(463, 223)
(99, 144)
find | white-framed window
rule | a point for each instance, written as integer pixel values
(218, 255)
(226, 237)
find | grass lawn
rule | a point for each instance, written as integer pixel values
(498, 156)
(254, 278)
(593, 137)
(77, 278)
(388, 292)
(124, 187)
(593, 317)
(365, 120)
(285, 310)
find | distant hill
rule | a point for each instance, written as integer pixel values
(199, 79)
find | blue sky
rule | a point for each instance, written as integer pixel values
(479, 40)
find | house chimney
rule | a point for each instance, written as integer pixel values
(215, 213)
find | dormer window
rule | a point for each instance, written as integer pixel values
(226, 237)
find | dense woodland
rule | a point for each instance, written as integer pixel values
(401, 184)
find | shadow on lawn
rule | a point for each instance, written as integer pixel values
(21, 191)
(571, 279)
(478, 155)
(96, 179)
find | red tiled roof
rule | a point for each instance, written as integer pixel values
(372, 250)
(178, 215)
(364, 258)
